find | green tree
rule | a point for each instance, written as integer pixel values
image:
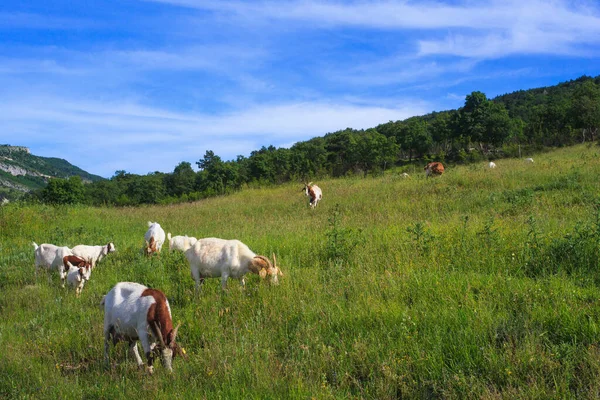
(585, 110)
(64, 191)
(181, 181)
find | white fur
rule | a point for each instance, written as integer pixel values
(126, 310)
(318, 194)
(405, 175)
(529, 160)
(181, 243)
(50, 257)
(156, 232)
(77, 276)
(93, 253)
(213, 258)
(492, 164)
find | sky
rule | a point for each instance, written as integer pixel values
(141, 86)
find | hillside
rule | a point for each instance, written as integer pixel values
(518, 124)
(21, 171)
(479, 284)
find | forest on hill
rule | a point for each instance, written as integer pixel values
(510, 125)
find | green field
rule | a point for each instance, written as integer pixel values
(478, 284)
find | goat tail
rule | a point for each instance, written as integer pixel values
(149, 224)
(169, 235)
(35, 246)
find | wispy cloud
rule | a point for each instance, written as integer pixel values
(493, 28)
(139, 135)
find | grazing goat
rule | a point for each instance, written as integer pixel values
(155, 237)
(134, 312)
(314, 193)
(213, 258)
(529, 160)
(180, 242)
(492, 164)
(405, 175)
(50, 257)
(77, 276)
(93, 253)
(434, 168)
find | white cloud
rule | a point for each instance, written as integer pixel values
(487, 29)
(141, 139)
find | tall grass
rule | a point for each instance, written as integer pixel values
(479, 284)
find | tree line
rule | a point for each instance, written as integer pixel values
(523, 121)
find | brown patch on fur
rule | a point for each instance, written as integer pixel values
(159, 314)
(75, 261)
(151, 246)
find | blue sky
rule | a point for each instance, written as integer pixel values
(144, 85)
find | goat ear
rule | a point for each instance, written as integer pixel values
(262, 273)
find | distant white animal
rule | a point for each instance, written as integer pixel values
(405, 175)
(213, 258)
(93, 253)
(155, 237)
(133, 311)
(492, 164)
(77, 276)
(49, 257)
(529, 160)
(181, 243)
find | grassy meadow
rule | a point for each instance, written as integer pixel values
(478, 284)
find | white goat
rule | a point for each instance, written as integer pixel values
(93, 253)
(49, 257)
(133, 311)
(155, 237)
(180, 242)
(314, 193)
(77, 276)
(529, 160)
(492, 165)
(213, 258)
(405, 175)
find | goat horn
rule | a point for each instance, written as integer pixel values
(269, 265)
(274, 261)
(159, 334)
(175, 333)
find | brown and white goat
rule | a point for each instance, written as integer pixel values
(155, 237)
(134, 312)
(75, 261)
(93, 253)
(78, 276)
(313, 192)
(434, 168)
(220, 258)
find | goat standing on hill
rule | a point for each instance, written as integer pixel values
(155, 237)
(213, 258)
(313, 192)
(181, 243)
(77, 276)
(93, 253)
(51, 257)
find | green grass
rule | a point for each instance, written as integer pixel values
(478, 284)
